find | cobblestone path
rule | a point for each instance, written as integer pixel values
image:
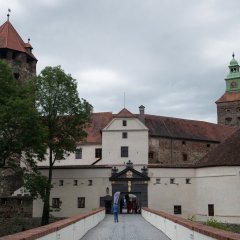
(129, 227)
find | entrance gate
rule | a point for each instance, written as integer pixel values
(130, 181)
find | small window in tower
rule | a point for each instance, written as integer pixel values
(208, 145)
(184, 157)
(124, 123)
(3, 53)
(183, 143)
(228, 110)
(228, 121)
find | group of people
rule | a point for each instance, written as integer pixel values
(125, 202)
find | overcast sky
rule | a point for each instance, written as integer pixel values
(171, 56)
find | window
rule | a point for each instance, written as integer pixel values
(172, 180)
(124, 151)
(124, 123)
(98, 152)
(75, 182)
(60, 182)
(124, 135)
(81, 202)
(208, 145)
(184, 157)
(188, 180)
(150, 155)
(177, 209)
(158, 180)
(228, 121)
(228, 110)
(89, 182)
(55, 202)
(78, 153)
(210, 209)
(183, 142)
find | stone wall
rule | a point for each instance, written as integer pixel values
(9, 182)
(23, 66)
(229, 113)
(16, 206)
(177, 151)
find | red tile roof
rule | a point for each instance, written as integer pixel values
(186, 129)
(225, 154)
(10, 39)
(229, 97)
(124, 113)
(98, 122)
(163, 127)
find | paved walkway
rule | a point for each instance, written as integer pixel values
(129, 227)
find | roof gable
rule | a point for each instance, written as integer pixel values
(129, 174)
(124, 113)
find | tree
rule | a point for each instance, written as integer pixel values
(64, 116)
(21, 134)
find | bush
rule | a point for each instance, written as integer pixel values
(217, 224)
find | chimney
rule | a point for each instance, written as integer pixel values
(142, 114)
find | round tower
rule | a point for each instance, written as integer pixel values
(17, 53)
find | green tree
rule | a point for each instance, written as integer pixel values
(21, 135)
(64, 115)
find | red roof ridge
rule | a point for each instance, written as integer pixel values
(125, 113)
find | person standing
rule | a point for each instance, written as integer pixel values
(115, 212)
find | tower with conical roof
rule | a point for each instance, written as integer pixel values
(17, 53)
(228, 106)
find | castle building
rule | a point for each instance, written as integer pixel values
(181, 166)
(17, 53)
(228, 105)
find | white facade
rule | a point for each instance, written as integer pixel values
(136, 141)
(168, 187)
(87, 156)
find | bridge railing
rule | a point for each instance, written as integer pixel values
(72, 228)
(177, 228)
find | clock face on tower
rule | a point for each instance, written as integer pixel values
(233, 84)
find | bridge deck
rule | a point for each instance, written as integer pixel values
(130, 227)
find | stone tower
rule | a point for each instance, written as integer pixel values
(16, 53)
(228, 106)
